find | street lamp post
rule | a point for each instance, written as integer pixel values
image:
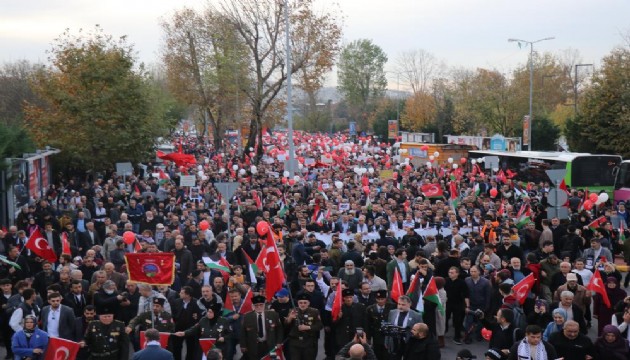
(290, 168)
(575, 88)
(531, 80)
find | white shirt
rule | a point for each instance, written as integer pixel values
(53, 322)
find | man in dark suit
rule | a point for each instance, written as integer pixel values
(262, 330)
(57, 320)
(186, 313)
(90, 236)
(44, 279)
(405, 318)
(351, 317)
(80, 324)
(153, 350)
(76, 299)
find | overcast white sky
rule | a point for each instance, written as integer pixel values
(467, 33)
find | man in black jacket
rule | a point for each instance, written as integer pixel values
(570, 344)
(421, 344)
(457, 301)
(186, 313)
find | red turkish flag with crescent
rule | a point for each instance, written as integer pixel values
(397, 286)
(39, 245)
(273, 269)
(522, 289)
(597, 285)
(432, 190)
(61, 349)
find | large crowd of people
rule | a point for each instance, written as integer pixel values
(355, 219)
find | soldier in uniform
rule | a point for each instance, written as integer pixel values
(377, 315)
(211, 326)
(106, 338)
(157, 319)
(351, 317)
(262, 331)
(305, 324)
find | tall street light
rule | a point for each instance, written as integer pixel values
(291, 163)
(531, 80)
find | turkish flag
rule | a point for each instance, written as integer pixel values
(336, 306)
(432, 190)
(61, 349)
(597, 285)
(522, 289)
(38, 244)
(151, 268)
(65, 244)
(206, 345)
(397, 285)
(163, 340)
(273, 269)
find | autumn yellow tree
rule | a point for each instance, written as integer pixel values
(420, 110)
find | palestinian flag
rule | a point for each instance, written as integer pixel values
(248, 305)
(253, 268)
(415, 286)
(221, 264)
(207, 344)
(283, 209)
(6, 260)
(277, 351)
(163, 178)
(597, 223)
(477, 189)
(454, 194)
(622, 232)
(523, 217)
(368, 203)
(431, 294)
(228, 307)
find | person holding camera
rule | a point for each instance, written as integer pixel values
(305, 324)
(357, 349)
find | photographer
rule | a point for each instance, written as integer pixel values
(356, 349)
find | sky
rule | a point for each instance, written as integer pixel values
(462, 33)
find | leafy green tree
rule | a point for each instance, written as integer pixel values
(604, 112)
(575, 139)
(386, 109)
(361, 77)
(98, 108)
(545, 134)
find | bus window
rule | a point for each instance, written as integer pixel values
(593, 171)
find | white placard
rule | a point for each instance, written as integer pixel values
(187, 180)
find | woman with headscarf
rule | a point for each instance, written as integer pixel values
(600, 310)
(213, 325)
(611, 345)
(30, 342)
(559, 318)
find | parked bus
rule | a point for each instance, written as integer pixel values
(593, 171)
(622, 182)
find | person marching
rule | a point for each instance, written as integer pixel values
(305, 325)
(106, 338)
(211, 326)
(157, 319)
(262, 330)
(377, 315)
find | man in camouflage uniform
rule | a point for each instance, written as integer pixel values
(106, 338)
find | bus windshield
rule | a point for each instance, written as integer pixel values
(596, 170)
